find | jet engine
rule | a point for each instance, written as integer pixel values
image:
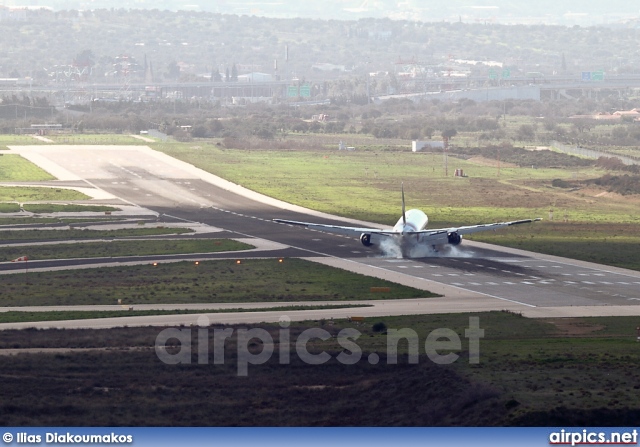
(365, 238)
(454, 238)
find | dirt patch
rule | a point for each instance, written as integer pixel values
(614, 195)
(599, 193)
(574, 327)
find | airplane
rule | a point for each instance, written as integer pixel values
(409, 235)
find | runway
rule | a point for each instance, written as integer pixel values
(497, 277)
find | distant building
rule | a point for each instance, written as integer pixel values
(344, 147)
(417, 146)
(598, 117)
(255, 77)
(328, 67)
(17, 14)
(39, 129)
(633, 113)
(615, 116)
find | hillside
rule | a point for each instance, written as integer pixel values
(65, 46)
(568, 12)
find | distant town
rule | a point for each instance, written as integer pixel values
(76, 57)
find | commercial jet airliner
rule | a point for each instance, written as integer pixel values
(409, 235)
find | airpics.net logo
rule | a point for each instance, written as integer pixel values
(591, 437)
(440, 345)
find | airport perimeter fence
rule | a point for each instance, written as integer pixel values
(590, 153)
(153, 133)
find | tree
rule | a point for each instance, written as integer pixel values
(449, 133)
(619, 133)
(526, 132)
(582, 125)
(173, 70)
(428, 132)
(234, 73)
(85, 58)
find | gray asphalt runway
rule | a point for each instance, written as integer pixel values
(494, 276)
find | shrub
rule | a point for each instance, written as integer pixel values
(559, 183)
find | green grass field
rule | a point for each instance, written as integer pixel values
(29, 194)
(44, 208)
(18, 140)
(131, 247)
(367, 185)
(9, 208)
(14, 168)
(73, 234)
(44, 220)
(612, 244)
(220, 281)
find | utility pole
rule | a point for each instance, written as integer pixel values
(446, 157)
(504, 112)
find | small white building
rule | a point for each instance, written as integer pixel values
(417, 145)
(344, 147)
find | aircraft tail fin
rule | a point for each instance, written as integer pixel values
(404, 216)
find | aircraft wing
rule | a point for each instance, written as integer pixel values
(441, 235)
(349, 231)
(436, 236)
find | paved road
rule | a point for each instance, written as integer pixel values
(495, 277)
